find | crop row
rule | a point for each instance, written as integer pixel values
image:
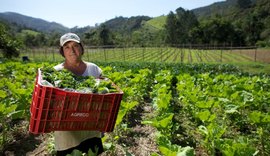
(199, 109)
(149, 54)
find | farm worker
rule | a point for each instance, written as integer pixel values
(72, 50)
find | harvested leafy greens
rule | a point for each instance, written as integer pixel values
(66, 80)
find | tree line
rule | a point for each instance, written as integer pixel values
(181, 27)
(245, 24)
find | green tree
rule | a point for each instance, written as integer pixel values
(53, 39)
(186, 21)
(197, 35)
(9, 45)
(238, 38)
(147, 35)
(253, 27)
(91, 37)
(216, 31)
(178, 26)
(40, 39)
(32, 38)
(104, 35)
(170, 29)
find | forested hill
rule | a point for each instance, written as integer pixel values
(246, 23)
(215, 8)
(37, 24)
(33, 23)
(224, 8)
(126, 24)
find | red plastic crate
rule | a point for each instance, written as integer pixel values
(54, 109)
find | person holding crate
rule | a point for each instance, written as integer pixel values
(72, 50)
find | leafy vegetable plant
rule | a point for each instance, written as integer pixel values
(65, 79)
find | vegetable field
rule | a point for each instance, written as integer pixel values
(167, 109)
(159, 54)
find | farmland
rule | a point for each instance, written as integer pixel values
(159, 54)
(189, 87)
(199, 109)
(248, 58)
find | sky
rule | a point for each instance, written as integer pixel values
(83, 13)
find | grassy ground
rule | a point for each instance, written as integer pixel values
(254, 68)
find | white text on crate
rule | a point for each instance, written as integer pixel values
(80, 114)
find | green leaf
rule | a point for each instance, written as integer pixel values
(120, 116)
(230, 109)
(108, 146)
(186, 151)
(3, 94)
(165, 122)
(266, 119)
(10, 109)
(163, 101)
(166, 151)
(75, 153)
(203, 115)
(255, 116)
(147, 122)
(91, 153)
(20, 91)
(16, 114)
(203, 129)
(130, 105)
(205, 104)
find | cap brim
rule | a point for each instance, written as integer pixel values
(68, 41)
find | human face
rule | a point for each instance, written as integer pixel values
(72, 51)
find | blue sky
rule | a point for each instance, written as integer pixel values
(90, 12)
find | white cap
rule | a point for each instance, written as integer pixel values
(69, 37)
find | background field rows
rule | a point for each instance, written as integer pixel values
(156, 54)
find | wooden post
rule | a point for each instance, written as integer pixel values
(255, 57)
(124, 53)
(53, 55)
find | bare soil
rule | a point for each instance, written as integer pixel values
(260, 55)
(21, 142)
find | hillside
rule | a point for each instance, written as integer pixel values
(126, 24)
(256, 15)
(142, 28)
(32, 23)
(215, 8)
(220, 8)
(157, 22)
(223, 8)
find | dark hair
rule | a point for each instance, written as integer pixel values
(61, 51)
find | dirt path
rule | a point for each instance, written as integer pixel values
(140, 139)
(146, 144)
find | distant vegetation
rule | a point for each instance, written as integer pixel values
(25, 22)
(8, 44)
(157, 22)
(227, 23)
